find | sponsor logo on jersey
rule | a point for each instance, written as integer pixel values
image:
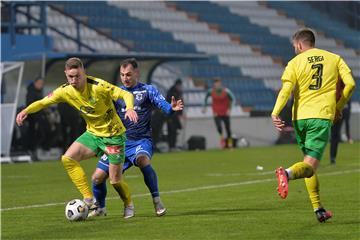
(136, 108)
(87, 110)
(136, 92)
(112, 149)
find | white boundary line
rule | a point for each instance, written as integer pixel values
(184, 190)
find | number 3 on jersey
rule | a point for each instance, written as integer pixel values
(317, 77)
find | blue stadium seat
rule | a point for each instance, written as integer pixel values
(126, 28)
(316, 19)
(248, 32)
(144, 38)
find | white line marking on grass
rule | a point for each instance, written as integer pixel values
(194, 189)
(16, 177)
(239, 174)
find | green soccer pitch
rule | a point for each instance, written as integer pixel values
(209, 195)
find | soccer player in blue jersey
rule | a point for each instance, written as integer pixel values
(139, 147)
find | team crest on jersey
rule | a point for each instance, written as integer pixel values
(92, 100)
(112, 149)
(138, 96)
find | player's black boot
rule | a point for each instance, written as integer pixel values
(322, 215)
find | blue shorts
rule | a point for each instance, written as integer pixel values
(133, 149)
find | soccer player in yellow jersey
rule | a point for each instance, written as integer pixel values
(105, 133)
(313, 75)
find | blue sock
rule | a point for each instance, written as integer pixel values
(100, 191)
(150, 179)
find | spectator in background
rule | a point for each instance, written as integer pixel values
(346, 118)
(336, 127)
(38, 123)
(157, 122)
(173, 121)
(222, 101)
(3, 89)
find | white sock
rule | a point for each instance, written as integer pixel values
(289, 173)
(156, 199)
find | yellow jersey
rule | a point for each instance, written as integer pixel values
(313, 74)
(95, 105)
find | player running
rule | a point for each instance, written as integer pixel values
(313, 75)
(139, 147)
(105, 133)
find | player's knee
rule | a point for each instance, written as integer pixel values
(313, 162)
(98, 177)
(67, 161)
(142, 161)
(115, 179)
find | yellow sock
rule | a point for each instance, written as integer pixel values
(230, 142)
(313, 187)
(123, 189)
(77, 175)
(300, 170)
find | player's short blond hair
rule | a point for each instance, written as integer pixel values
(74, 63)
(305, 35)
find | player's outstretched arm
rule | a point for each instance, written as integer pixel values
(176, 105)
(32, 108)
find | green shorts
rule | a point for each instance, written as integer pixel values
(113, 147)
(312, 135)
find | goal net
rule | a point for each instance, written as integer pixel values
(10, 82)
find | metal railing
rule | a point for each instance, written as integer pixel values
(37, 22)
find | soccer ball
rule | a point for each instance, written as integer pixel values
(76, 210)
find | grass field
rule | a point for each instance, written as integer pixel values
(209, 195)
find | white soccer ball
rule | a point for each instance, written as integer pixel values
(76, 210)
(242, 142)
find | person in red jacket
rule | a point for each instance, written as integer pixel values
(222, 100)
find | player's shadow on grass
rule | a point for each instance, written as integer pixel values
(219, 211)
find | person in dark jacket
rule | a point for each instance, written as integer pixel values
(38, 123)
(173, 121)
